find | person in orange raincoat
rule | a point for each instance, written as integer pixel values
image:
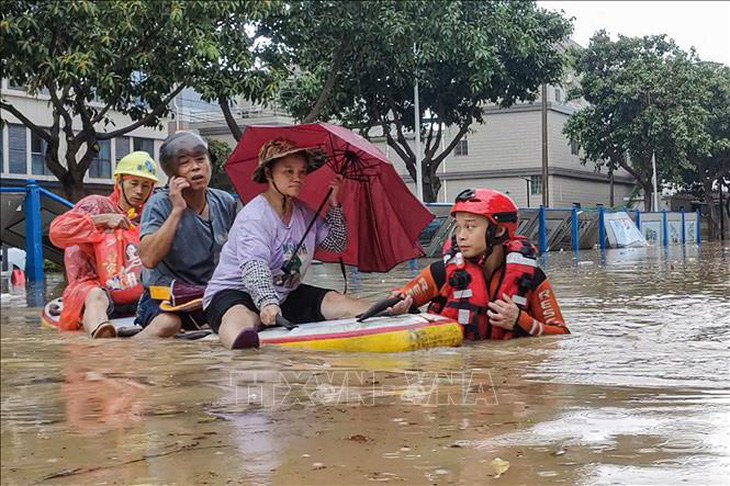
(87, 302)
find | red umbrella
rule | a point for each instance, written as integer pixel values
(383, 218)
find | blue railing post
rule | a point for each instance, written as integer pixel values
(699, 238)
(665, 230)
(574, 229)
(684, 231)
(638, 218)
(542, 237)
(33, 232)
(601, 229)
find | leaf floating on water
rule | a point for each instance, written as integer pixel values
(360, 438)
(499, 466)
(205, 420)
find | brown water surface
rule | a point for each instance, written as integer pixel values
(638, 394)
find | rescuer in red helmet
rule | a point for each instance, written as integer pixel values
(489, 280)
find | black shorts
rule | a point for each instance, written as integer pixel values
(302, 305)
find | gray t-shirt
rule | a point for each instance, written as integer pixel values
(197, 244)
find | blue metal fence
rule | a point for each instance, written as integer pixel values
(639, 218)
(34, 244)
(34, 225)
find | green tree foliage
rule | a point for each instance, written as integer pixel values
(243, 67)
(356, 63)
(644, 99)
(709, 152)
(219, 153)
(131, 57)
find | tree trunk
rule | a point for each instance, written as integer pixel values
(74, 186)
(329, 82)
(431, 183)
(712, 230)
(648, 191)
(230, 120)
(73, 179)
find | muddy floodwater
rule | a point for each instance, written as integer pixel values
(639, 393)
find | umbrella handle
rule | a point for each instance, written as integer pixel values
(284, 322)
(286, 267)
(379, 307)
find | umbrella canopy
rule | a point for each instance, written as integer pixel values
(383, 218)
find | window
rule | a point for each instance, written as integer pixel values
(574, 148)
(121, 147)
(558, 95)
(145, 144)
(14, 85)
(19, 87)
(535, 185)
(462, 148)
(17, 149)
(38, 148)
(101, 166)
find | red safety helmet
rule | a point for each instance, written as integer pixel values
(497, 207)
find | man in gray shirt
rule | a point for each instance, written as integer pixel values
(183, 229)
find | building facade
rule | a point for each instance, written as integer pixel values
(505, 153)
(22, 152)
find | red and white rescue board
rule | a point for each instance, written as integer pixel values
(379, 334)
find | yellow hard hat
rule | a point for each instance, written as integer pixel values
(138, 164)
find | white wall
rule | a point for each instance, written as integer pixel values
(38, 110)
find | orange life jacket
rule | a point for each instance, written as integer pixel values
(466, 293)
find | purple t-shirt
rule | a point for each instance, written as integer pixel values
(258, 233)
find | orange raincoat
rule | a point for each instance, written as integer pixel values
(76, 232)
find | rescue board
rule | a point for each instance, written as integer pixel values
(390, 334)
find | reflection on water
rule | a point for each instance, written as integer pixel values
(637, 394)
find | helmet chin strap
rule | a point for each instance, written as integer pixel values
(284, 197)
(124, 194)
(492, 240)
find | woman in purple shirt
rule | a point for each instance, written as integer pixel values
(249, 287)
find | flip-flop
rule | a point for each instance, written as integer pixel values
(104, 330)
(194, 335)
(128, 332)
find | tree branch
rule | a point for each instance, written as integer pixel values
(434, 147)
(51, 155)
(59, 104)
(409, 161)
(329, 82)
(230, 120)
(99, 116)
(429, 139)
(25, 121)
(438, 140)
(152, 115)
(79, 100)
(462, 131)
(625, 165)
(399, 129)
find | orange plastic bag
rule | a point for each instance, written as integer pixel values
(118, 265)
